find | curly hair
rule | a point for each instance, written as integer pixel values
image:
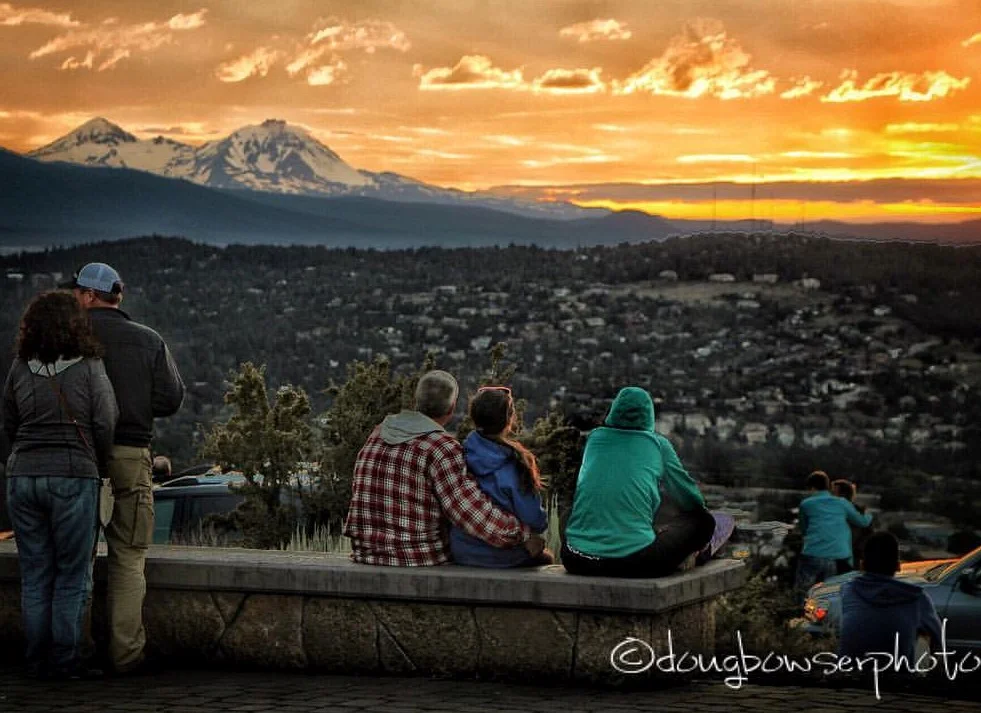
(54, 325)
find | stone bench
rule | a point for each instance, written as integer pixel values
(279, 610)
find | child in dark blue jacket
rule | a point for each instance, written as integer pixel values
(881, 614)
(508, 473)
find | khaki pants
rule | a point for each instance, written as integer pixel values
(128, 535)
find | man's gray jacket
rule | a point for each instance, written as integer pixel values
(142, 373)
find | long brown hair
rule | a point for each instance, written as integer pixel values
(493, 414)
(54, 325)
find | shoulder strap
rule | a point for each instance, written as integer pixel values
(64, 404)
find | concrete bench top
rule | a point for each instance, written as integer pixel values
(312, 574)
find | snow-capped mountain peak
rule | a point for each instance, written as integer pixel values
(274, 156)
(97, 131)
(100, 142)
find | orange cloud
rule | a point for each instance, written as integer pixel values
(258, 62)
(368, 35)
(818, 154)
(304, 59)
(593, 30)
(567, 160)
(906, 86)
(802, 88)
(471, 72)
(570, 81)
(715, 158)
(326, 74)
(917, 128)
(188, 22)
(118, 41)
(974, 39)
(703, 61)
(73, 63)
(11, 16)
(610, 128)
(334, 35)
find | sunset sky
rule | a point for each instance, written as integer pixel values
(825, 104)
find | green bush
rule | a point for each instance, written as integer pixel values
(370, 392)
(271, 442)
(761, 611)
(266, 442)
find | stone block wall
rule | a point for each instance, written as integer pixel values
(292, 632)
(349, 631)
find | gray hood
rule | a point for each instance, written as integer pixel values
(39, 368)
(406, 426)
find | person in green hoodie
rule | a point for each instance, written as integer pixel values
(611, 530)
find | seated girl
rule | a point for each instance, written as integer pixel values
(611, 530)
(508, 473)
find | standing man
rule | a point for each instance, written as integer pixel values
(147, 386)
(824, 521)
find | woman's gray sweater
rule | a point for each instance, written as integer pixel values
(39, 424)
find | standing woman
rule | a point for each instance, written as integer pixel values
(59, 412)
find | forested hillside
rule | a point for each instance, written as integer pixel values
(890, 330)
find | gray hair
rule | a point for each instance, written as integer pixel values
(436, 393)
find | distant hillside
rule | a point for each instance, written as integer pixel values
(962, 233)
(58, 203)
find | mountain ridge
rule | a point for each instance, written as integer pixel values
(274, 157)
(63, 203)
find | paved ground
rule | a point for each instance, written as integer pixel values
(221, 692)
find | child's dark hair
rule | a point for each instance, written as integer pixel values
(844, 489)
(881, 554)
(493, 415)
(818, 480)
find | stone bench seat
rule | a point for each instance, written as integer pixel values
(286, 610)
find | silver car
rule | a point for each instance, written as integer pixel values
(954, 585)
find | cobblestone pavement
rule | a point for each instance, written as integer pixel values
(221, 692)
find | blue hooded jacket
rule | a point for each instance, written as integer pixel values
(875, 608)
(496, 468)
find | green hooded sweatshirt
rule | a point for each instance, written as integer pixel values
(617, 490)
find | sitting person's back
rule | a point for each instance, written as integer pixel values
(877, 608)
(508, 473)
(611, 528)
(410, 478)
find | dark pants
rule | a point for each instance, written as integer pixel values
(810, 571)
(675, 541)
(54, 521)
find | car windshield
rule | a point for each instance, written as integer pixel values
(938, 570)
(942, 569)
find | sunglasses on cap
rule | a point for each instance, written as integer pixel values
(505, 389)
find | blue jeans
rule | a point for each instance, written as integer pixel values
(55, 524)
(811, 570)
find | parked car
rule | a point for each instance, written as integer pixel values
(954, 585)
(180, 506)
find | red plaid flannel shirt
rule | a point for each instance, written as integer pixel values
(403, 494)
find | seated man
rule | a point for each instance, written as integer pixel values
(824, 523)
(411, 482)
(876, 607)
